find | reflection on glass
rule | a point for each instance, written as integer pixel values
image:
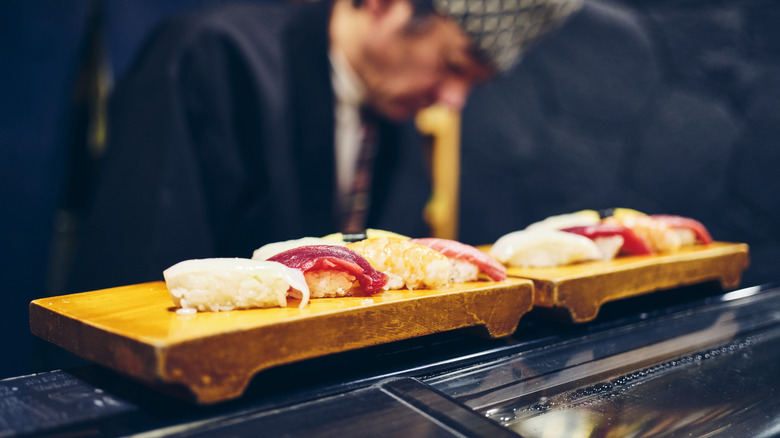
(709, 371)
(695, 395)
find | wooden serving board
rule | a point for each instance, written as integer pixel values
(136, 331)
(582, 288)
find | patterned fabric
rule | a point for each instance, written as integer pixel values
(356, 205)
(504, 29)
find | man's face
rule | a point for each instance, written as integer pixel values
(410, 67)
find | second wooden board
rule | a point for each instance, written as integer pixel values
(582, 288)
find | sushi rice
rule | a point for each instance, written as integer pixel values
(329, 283)
(462, 271)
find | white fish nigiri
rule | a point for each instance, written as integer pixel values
(269, 250)
(543, 248)
(222, 284)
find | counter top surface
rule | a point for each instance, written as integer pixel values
(456, 384)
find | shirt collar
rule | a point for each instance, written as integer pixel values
(347, 86)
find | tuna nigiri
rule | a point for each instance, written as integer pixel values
(221, 284)
(467, 261)
(332, 270)
(613, 239)
(271, 249)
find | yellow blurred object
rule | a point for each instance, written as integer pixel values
(371, 233)
(441, 212)
(621, 212)
(589, 213)
(566, 220)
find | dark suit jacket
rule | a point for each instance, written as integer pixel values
(221, 140)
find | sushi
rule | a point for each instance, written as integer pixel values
(333, 270)
(663, 232)
(223, 284)
(613, 240)
(407, 264)
(586, 235)
(543, 248)
(692, 232)
(271, 249)
(467, 261)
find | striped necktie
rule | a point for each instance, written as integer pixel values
(355, 210)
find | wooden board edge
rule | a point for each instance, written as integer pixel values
(124, 355)
(727, 269)
(235, 359)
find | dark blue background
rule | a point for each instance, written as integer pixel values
(42, 45)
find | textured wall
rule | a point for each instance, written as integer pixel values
(663, 106)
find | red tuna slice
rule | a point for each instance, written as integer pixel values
(632, 244)
(457, 250)
(673, 221)
(333, 257)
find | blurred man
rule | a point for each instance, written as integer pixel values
(248, 123)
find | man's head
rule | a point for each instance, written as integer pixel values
(413, 53)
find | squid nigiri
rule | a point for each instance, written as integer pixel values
(332, 270)
(543, 248)
(222, 284)
(467, 261)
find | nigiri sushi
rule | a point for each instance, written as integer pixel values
(271, 249)
(613, 239)
(332, 270)
(691, 231)
(222, 284)
(665, 233)
(406, 264)
(467, 261)
(543, 248)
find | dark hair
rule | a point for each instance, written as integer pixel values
(421, 7)
(421, 10)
